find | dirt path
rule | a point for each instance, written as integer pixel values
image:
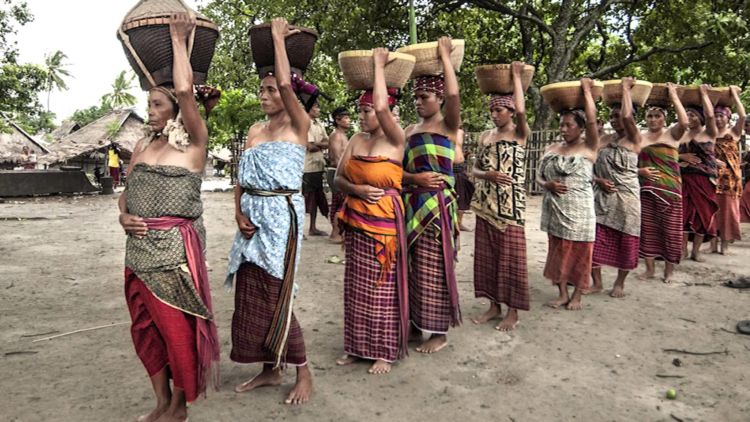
(61, 265)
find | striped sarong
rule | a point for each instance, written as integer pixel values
(500, 272)
(257, 293)
(661, 228)
(568, 262)
(615, 249)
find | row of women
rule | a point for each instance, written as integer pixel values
(399, 220)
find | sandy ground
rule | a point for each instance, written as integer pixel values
(61, 264)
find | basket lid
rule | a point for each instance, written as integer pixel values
(567, 84)
(145, 9)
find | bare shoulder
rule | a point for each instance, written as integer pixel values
(410, 130)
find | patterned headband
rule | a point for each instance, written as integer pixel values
(434, 84)
(367, 97)
(502, 101)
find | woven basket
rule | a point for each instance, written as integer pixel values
(428, 61)
(145, 37)
(498, 79)
(612, 93)
(659, 96)
(299, 48)
(563, 96)
(358, 68)
(691, 96)
(725, 96)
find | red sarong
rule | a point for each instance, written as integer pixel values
(500, 272)
(745, 204)
(569, 261)
(728, 217)
(615, 249)
(699, 204)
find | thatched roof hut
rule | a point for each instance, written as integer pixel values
(122, 128)
(12, 143)
(66, 128)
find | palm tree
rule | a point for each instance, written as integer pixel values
(120, 97)
(55, 72)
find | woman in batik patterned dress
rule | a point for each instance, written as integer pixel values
(500, 272)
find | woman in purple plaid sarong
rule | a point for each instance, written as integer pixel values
(500, 272)
(375, 291)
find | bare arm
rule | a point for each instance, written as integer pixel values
(451, 95)
(678, 129)
(519, 102)
(592, 130)
(708, 112)
(180, 27)
(300, 119)
(739, 126)
(392, 130)
(631, 129)
(340, 181)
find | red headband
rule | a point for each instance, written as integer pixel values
(434, 84)
(367, 99)
(502, 101)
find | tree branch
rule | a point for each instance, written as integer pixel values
(656, 50)
(497, 6)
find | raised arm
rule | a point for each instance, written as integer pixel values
(739, 126)
(626, 112)
(393, 131)
(592, 131)
(678, 129)
(181, 25)
(299, 117)
(708, 112)
(451, 95)
(519, 102)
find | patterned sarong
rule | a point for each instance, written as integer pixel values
(568, 261)
(500, 267)
(431, 222)
(256, 294)
(170, 263)
(570, 215)
(500, 272)
(464, 187)
(367, 299)
(661, 205)
(728, 217)
(699, 204)
(615, 249)
(270, 175)
(728, 189)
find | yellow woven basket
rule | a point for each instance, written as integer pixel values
(498, 79)
(612, 93)
(359, 69)
(561, 96)
(428, 61)
(691, 96)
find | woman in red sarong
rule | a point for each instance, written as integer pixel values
(698, 162)
(166, 282)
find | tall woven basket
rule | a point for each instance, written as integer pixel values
(358, 68)
(427, 58)
(563, 96)
(145, 37)
(498, 78)
(299, 48)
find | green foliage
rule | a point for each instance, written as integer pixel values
(56, 72)
(120, 97)
(88, 115)
(232, 117)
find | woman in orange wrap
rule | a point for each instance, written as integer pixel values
(375, 288)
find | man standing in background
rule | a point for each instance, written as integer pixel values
(315, 165)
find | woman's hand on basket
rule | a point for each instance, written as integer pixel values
(445, 45)
(133, 225)
(380, 56)
(280, 29)
(246, 227)
(181, 25)
(369, 193)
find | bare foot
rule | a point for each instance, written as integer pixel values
(509, 322)
(593, 290)
(316, 232)
(380, 367)
(155, 414)
(646, 275)
(346, 360)
(617, 291)
(492, 313)
(554, 304)
(435, 344)
(575, 301)
(302, 390)
(267, 377)
(336, 240)
(697, 257)
(168, 417)
(666, 279)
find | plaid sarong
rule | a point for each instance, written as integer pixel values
(664, 158)
(615, 249)
(500, 272)
(256, 296)
(371, 310)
